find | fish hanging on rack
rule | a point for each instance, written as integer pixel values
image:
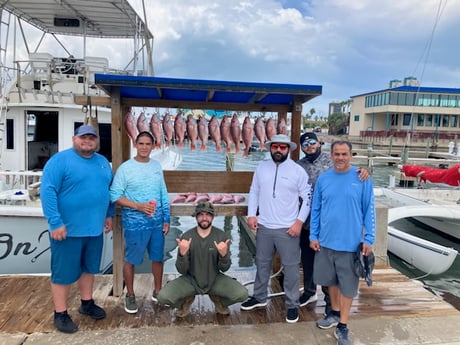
(247, 134)
(214, 132)
(130, 127)
(192, 131)
(203, 132)
(179, 130)
(281, 127)
(225, 132)
(142, 125)
(168, 129)
(156, 130)
(235, 131)
(270, 129)
(259, 131)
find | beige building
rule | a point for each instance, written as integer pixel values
(402, 113)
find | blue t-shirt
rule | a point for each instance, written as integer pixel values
(75, 192)
(343, 211)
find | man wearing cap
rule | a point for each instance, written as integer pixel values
(342, 217)
(76, 202)
(280, 193)
(315, 163)
(202, 256)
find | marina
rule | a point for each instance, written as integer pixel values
(26, 305)
(25, 302)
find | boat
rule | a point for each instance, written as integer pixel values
(427, 256)
(449, 177)
(38, 114)
(424, 255)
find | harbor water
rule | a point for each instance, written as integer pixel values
(243, 255)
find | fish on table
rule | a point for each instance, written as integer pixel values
(217, 198)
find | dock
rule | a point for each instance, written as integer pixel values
(26, 311)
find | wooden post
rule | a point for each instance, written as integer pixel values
(296, 122)
(118, 156)
(380, 246)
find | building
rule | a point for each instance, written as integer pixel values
(426, 113)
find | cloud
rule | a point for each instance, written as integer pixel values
(348, 47)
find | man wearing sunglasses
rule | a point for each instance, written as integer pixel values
(280, 195)
(315, 163)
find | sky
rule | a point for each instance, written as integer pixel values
(347, 47)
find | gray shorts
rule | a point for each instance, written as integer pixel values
(336, 268)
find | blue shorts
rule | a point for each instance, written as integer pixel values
(336, 268)
(74, 256)
(137, 242)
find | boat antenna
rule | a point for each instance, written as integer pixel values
(426, 53)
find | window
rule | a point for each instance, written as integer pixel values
(394, 119)
(453, 120)
(356, 118)
(445, 120)
(406, 119)
(420, 120)
(9, 134)
(429, 120)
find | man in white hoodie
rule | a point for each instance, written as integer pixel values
(278, 186)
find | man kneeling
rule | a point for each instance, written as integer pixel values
(202, 256)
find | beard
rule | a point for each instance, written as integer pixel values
(279, 157)
(204, 224)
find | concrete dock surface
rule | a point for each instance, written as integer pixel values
(437, 330)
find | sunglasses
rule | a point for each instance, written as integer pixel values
(309, 142)
(279, 146)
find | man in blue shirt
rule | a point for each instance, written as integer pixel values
(76, 202)
(342, 217)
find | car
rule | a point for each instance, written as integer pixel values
(317, 129)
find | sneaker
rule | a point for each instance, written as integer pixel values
(184, 310)
(292, 315)
(307, 299)
(329, 321)
(252, 303)
(130, 304)
(64, 323)
(341, 334)
(220, 309)
(155, 297)
(92, 310)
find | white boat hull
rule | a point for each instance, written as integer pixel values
(437, 209)
(24, 242)
(426, 256)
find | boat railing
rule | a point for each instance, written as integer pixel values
(19, 186)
